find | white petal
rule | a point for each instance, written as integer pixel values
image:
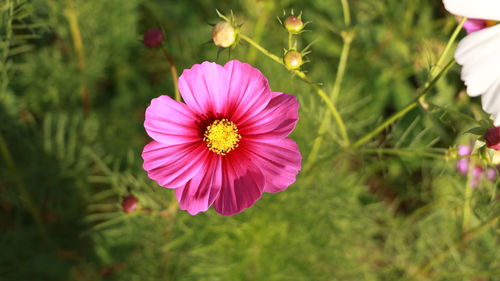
(479, 9)
(491, 100)
(479, 54)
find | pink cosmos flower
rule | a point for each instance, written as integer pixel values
(227, 144)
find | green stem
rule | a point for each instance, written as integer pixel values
(261, 49)
(318, 141)
(305, 78)
(173, 72)
(467, 212)
(290, 39)
(347, 12)
(448, 46)
(405, 110)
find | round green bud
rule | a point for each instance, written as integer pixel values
(293, 24)
(293, 60)
(224, 34)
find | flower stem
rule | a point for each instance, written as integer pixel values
(347, 12)
(173, 72)
(76, 36)
(313, 155)
(406, 109)
(448, 46)
(305, 78)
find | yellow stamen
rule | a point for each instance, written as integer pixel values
(222, 136)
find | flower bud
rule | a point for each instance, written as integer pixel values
(153, 37)
(130, 204)
(293, 60)
(224, 34)
(492, 138)
(293, 24)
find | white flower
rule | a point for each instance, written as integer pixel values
(479, 53)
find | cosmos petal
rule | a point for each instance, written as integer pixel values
(479, 9)
(171, 122)
(276, 121)
(173, 166)
(491, 101)
(204, 88)
(242, 185)
(200, 192)
(248, 90)
(478, 54)
(280, 161)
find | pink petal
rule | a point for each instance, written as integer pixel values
(171, 122)
(204, 88)
(277, 120)
(279, 160)
(248, 90)
(173, 166)
(233, 91)
(201, 191)
(243, 184)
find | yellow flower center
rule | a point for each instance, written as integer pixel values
(222, 136)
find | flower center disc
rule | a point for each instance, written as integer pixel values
(222, 136)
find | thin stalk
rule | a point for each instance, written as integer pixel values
(318, 141)
(448, 46)
(405, 110)
(467, 212)
(347, 12)
(79, 49)
(290, 40)
(173, 72)
(305, 78)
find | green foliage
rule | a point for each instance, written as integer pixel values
(367, 214)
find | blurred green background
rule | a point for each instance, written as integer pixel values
(354, 216)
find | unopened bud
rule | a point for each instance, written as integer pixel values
(224, 34)
(130, 204)
(293, 24)
(293, 60)
(492, 138)
(153, 37)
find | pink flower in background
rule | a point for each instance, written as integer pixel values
(473, 25)
(475, 177)
(463, 163)
(227, 144)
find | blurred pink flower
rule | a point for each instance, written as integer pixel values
(463, 163)
(473, 25)
(475, 178)
(491, 174)
(227, 144)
